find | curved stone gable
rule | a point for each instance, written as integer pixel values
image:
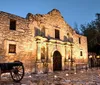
(52, 18)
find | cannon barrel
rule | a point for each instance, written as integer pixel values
(9, 66)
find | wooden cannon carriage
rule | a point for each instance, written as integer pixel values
(16, 70)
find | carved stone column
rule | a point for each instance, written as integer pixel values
(38, 58)
(72, 60)
(65, 60)
(39, 64)
(48, 57)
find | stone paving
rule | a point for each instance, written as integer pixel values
(82, 77)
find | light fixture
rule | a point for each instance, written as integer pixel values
(55, 76)
(67, 74)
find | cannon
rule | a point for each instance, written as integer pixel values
(16, 70)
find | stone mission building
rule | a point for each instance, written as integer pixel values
(44, 43)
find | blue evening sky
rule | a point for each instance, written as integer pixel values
(73, 11)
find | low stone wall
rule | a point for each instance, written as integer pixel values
(81, 66)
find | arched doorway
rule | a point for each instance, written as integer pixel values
(57, 61)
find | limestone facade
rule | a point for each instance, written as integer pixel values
(44, 43)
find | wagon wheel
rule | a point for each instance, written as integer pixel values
(17, 73)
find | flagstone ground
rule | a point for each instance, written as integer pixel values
(82, 77)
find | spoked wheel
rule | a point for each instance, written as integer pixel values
(17, 73)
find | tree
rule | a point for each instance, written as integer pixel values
(92, 32)
(76, 28)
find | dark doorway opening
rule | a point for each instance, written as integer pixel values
(57, 61)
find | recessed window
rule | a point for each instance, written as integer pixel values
(79, 40)
(68, 35)
(43, 32)
(57, 34)
(81, 53)
(12, 48)
(12, 24)
(42, 54)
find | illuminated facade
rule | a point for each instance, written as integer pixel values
(44, 43)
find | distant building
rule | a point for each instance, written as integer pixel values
(44, 43)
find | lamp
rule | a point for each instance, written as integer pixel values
(90, 56)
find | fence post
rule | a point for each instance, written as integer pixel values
(75, 68)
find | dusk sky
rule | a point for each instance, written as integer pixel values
(73, 11)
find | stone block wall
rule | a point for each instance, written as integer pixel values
(28, 34)
(22, 37)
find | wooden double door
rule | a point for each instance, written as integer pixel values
(57, 61)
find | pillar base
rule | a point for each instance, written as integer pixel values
(39, 67)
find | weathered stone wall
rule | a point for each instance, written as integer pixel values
(53, 20)
(25, 38)
(22, 37)
(80, 47)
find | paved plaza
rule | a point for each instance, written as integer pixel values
(81, 77)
